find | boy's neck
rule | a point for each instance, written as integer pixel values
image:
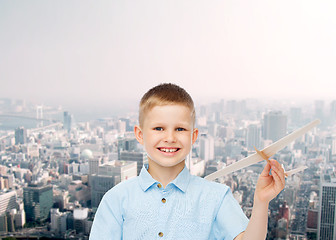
(164, 175)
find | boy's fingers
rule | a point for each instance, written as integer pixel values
(275, 163)
(278, 166)
(278, 180)
(265, 172)
(279, 176)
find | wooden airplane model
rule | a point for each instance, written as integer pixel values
(265, 154)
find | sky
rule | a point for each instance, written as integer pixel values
(107, 53)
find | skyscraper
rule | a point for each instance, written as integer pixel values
(38, 201)
(253, 136)
(67, 121)
(108, 176)
(58, 221)
(99, 186)
(94, 165)
(139, 157)
(327, 211)
(7, 201)
(207, 147)
(20, 135)
(275, 126)
(127, 144)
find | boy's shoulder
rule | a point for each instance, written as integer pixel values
(203, 185)
(123, 187)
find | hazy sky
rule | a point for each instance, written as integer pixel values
(77, 52)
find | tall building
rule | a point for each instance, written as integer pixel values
(94, 165)
(327, 211)
(79, 192)
(275, 126)
(207, 147)
(20, 135)
(253, 138)
(10, 220)
(99, 186)
(127, 144)
(312, 218)
(12, 215)
(20, 218)
(38, 200)
(138, 157)
(108, 176)
(284, 211)
(68, 121)
(123, 170)
(80, 216)
(58, 221)
(7, 201)
(3, 223)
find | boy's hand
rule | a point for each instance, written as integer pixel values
(269, 186)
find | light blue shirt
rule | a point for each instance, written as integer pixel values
(189, 207)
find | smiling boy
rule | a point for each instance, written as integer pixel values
(165, 201)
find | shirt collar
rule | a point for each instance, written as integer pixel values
(181, 181)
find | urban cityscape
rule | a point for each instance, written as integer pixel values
(55, 168)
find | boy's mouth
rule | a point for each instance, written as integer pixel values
(169, 150)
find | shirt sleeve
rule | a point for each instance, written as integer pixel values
(108, 221)
(230, 220)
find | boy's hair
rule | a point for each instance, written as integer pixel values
(165, 94)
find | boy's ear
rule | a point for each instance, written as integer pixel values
(138, 134)
(194, 135)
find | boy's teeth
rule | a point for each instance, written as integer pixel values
(168, 149)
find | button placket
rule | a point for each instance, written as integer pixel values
(163, 210)
(164, 196)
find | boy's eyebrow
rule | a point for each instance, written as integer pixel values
(183, 124)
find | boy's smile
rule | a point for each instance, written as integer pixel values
(167, 134)
(169, 150)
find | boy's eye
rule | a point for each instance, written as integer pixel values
(180, 129)
(158, 129)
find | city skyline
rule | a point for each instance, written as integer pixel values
(64, 168)
(107, 53)
(82, 161)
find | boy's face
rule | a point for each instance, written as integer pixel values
(167, 134)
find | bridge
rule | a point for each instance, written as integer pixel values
(53, 125)
(26, 117)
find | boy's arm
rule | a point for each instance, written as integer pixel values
(108, 220)
(268, 187)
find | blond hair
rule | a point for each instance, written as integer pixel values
(165, 94)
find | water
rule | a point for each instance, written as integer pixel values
(10, 123)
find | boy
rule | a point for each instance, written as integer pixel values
(165, 201)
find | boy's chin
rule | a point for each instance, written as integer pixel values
(167, 164)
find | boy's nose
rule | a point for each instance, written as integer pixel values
(170, 136)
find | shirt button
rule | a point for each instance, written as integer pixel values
(159, 185)
(160, 234)
(163, 200)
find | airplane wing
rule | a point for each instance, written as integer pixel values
(250, 160)
(296, 170)
(269, 151)
(283, 142)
